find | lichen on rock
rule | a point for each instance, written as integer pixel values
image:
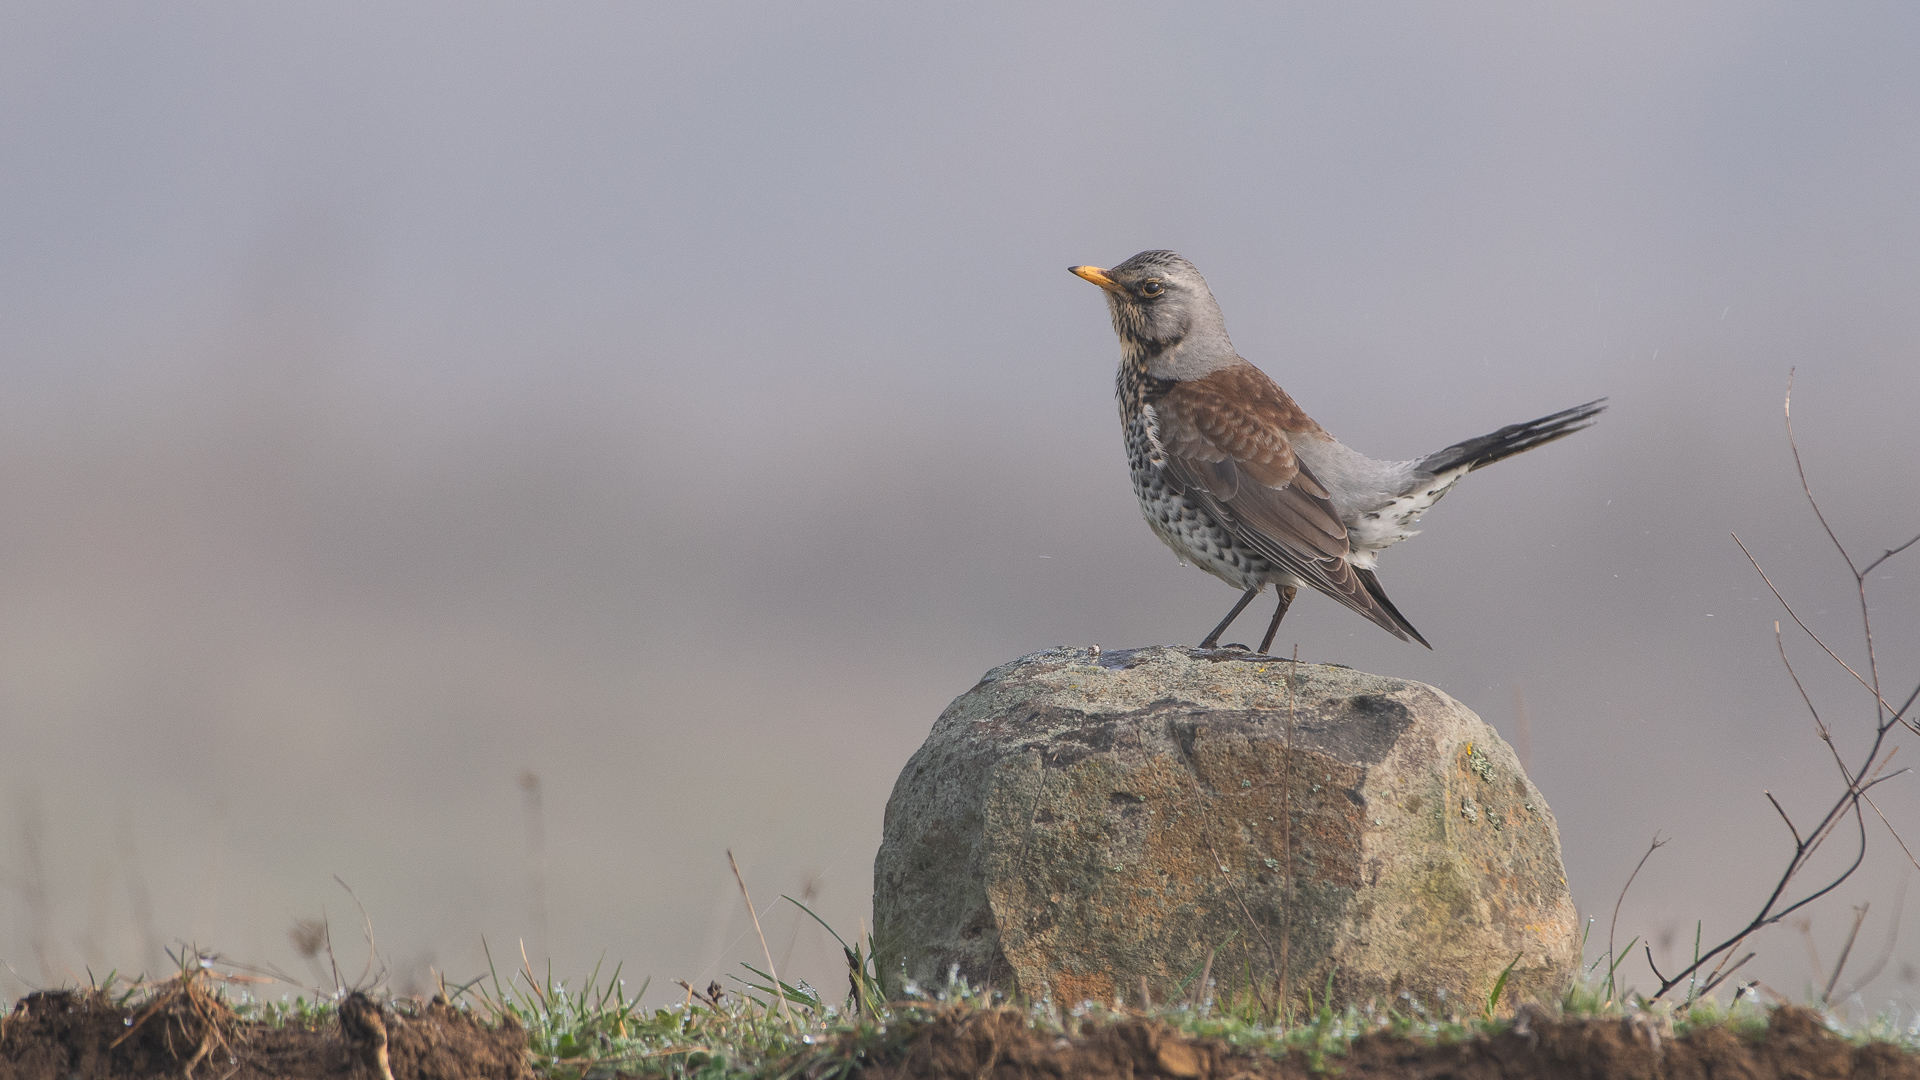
(1081, 821)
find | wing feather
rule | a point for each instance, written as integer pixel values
(1227, 443)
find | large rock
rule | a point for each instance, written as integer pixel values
(1081, 820)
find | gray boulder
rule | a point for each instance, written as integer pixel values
(1080, 821)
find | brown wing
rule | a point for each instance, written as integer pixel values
(1227, 440)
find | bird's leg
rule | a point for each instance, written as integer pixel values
(1213, 639)
(1286, 600)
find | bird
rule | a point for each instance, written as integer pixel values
(1237, 479)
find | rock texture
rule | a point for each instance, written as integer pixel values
(1081, 820)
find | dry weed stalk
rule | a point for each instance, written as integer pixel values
(1612, 957)
(1286, 796)
(188, 1007)
(779, 992)
(1858, 780)
(1886, 949)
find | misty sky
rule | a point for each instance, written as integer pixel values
(685, 402)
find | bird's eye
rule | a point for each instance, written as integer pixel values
(1152, 287)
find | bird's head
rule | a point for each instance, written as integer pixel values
(1162, 307)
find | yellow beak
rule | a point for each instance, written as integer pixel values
(1098, 277)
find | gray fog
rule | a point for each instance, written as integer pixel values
(682, 403)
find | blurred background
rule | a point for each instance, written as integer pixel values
(507, 455)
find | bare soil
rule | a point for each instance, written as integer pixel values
(82, 1035)
(1000, 1045)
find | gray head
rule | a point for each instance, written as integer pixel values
(1165, 314)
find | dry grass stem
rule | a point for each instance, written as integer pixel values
(779, 991)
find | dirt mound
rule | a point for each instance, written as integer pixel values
(1000, 1045)
(83, 1035)
(72, 1035)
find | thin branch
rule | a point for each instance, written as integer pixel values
(1768, 916)
(1860, 856)
(1893, 936)
(1890, 553)
(1908, 704)
(1797, 842)
(1859, 916)
(1795, 616)
(1908, 852)
(1859, 575)
(1707, 987)
(1858, 781)
(1781, 644)
(1802, 470)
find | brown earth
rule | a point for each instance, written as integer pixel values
(1000, 1045)
(57, 1035)
(83, 1035)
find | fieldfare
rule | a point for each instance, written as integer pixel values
(1237, 479)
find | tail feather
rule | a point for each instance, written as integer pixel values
(1512, 439)
(1384, 613)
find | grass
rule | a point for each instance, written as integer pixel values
(597, 1029)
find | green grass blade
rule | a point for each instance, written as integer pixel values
(1500, 985)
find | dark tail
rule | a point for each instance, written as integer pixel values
(1387, 615)
(1512, 439)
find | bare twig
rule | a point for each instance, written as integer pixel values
(1720, 977)
(1888, 554)
(1859, 575)
(1795, 616)
(1783, 817)
(1650, 964)
(1895, 833)
(1803, 853)
(1286, 796)
(1786, 410)
(1858, 780)
(1819, 724)
(1908, 704)
(1827, 737)
(1886, 950)
(1840, 965)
